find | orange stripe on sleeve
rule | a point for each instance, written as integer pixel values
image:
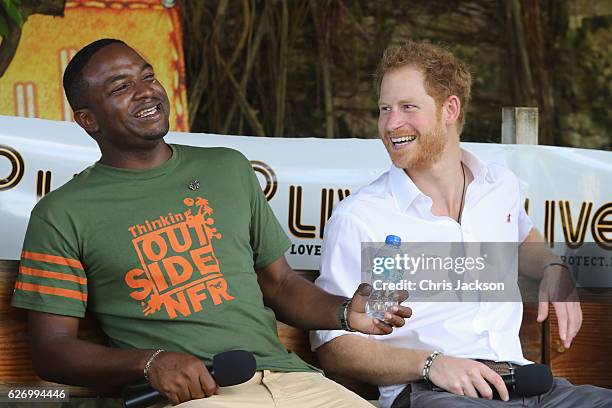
(37, 256)
(48, 290)
(52, 275)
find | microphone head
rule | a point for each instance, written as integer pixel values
(532, 380)
(233, 367)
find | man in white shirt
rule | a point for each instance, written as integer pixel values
(437, 192)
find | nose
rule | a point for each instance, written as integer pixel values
(144, 90)
(394, 120)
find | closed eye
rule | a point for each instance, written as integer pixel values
(119, 88)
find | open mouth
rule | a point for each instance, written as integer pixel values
(145, 113)
(402, 141)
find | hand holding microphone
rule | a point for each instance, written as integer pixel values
(528, 380)
(471, 378)
(180, 377)
(467, 377)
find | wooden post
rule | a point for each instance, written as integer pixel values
(519, 125)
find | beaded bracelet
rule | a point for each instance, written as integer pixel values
(343, 316)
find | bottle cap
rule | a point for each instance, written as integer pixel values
(393, 240)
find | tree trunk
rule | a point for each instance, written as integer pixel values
(535, 30)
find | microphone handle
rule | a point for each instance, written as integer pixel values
(149, 396)
(509, 381)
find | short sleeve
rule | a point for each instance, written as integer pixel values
(340, 265)
(51, 277)
(268, 239)
(524, 222)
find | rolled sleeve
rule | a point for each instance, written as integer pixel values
(524, 222)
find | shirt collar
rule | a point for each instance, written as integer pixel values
(478, 168)
(402, 187)
(406, 192)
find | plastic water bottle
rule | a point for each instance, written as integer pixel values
(382, 299)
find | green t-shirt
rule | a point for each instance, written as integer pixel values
(165, 258)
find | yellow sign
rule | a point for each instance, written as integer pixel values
(32, 84)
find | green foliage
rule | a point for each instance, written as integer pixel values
(9, 8)
(4, 30)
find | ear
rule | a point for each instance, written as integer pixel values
(452, 109)
(85, 118)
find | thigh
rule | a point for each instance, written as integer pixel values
(564, 394)
(434, 399)
(310, 390)
(424, 398)
(252, 394)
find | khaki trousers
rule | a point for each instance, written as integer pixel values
(273, 389)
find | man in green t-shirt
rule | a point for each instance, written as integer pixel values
(176, 252)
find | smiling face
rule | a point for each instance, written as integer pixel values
(410, 122)
(126, 108)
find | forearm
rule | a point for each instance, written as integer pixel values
(300, 303)
(74, 361)
(371, 361)
(59, 355)
(534, 256)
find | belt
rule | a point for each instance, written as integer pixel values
(500, 367)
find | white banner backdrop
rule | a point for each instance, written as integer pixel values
(569, 190)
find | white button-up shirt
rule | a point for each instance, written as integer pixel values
(393, 204)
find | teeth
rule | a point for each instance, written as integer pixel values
(146, 112)
(403, 139)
